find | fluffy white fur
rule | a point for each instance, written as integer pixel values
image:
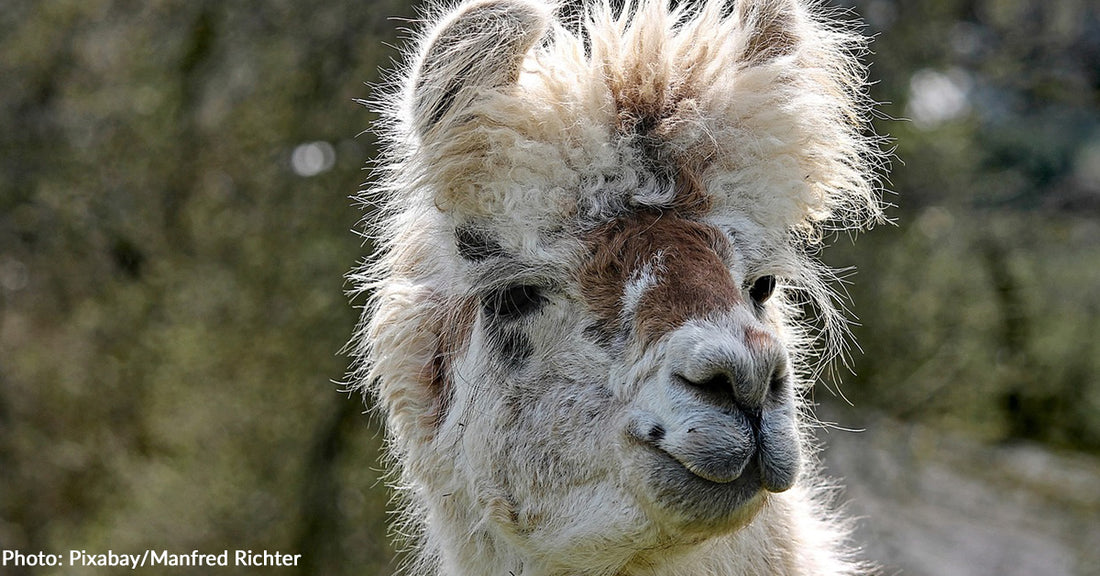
(507, 119)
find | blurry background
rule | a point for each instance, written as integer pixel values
(175, 224)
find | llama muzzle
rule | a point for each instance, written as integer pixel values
(726, 408)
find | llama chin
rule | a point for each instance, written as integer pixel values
(595, 238)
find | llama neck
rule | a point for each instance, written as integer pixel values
(789, 537)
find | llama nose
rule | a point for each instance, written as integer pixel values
(744, 409)
(748, 374)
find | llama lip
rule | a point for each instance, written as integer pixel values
(716, 458)
(707, 474)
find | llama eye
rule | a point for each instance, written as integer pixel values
(762, 289)
(514, 301)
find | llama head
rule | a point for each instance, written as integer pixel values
(583, 326)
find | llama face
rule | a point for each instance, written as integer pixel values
(649, 310)
(629, 372)
(718, 400)
(580, 328)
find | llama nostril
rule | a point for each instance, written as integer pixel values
(717, 385)
(726, 389)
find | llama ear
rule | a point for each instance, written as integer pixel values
(773, 27)
(481, 46)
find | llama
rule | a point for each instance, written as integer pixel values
(596, 237)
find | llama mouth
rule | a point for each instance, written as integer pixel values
(708, 473)
(721, 476)
(716, 453)
(700, 502)
(698, 485)
(745, 470)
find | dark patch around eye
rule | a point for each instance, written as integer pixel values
(475, 244)
(513, 349)
(514, 301)
(511, 346)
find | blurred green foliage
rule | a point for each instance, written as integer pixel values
(981, 308)
(172, 248)
(172, 292)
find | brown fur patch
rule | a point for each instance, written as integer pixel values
(454, 321)
(691, 197)
(693, 279)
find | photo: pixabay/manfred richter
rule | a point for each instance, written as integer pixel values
(148, 558)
